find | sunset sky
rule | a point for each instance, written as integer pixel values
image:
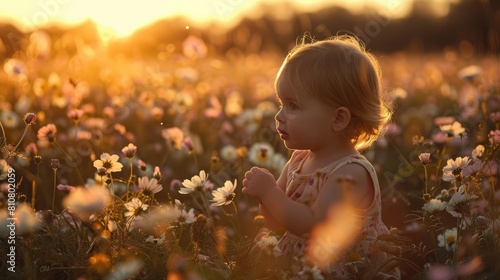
(125, 16)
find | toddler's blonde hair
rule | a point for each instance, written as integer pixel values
(339, 72)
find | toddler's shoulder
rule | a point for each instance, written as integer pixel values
(362, 189)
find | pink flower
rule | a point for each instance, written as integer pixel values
(75, 114)
(188, 143)
(142, 165)
(157, 113)
(47, 132)
(175, 184)
(157, 173)
(439, 121)
(454, 129)
(215, 109)
(62, 187)
(393, 129)
(439, 137)
(149, 186)
(424, 158)
(495, 117)
(495, 136)
(31, 148)
(174, 137)
(472, 168)
(130, 150)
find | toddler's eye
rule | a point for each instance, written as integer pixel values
(294, 106)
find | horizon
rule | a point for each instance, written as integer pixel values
(225, 12)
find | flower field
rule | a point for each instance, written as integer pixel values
(123, 167)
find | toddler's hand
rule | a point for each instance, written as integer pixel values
(257, 181)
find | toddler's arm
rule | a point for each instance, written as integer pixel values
(299, 218)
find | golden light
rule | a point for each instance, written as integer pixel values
(329, 238)
(118, 18)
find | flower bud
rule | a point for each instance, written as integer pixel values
(54, 163)
(37, 159)
(30, 118)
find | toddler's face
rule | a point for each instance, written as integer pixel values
(303, 122)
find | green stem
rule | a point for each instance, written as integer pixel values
(22, 137)
(33, 188)
(456, 243)
(425, 178)
(112, 189)
(440, 161)
(4, 138)
(69, 159)
(33, 195)
(54, 193)
(235, 208)
(256, 231)
(231, 221)
(221, 252)
(205, 204)
(130, 178)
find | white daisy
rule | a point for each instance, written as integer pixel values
(268, 244)
(459, 203)
(135, 207)
(224, 195)
(228, 153)
(196, 183)
(454, 129)
(109, 162)
(434, 205)
(24, 218)
(448, 239)
(159, 240)
(185, 217)
(84, 202)
(174, 137)
(470, 72)
(311, 273)
(478, 152)
(277, 162)
(261, 154)
(458, 164)
(4, 169)
(161, 215)
(181, 215)
(126, 270)
(454, 168)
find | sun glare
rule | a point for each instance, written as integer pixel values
(115, 18)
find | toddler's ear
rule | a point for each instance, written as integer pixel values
(341, 118)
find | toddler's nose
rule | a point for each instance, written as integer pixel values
(279, 117)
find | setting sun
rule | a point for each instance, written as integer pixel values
(122, 18)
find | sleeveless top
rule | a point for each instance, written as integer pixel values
(304, 188)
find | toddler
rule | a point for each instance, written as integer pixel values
(332, 107)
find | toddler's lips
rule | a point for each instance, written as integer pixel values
(283, 134)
